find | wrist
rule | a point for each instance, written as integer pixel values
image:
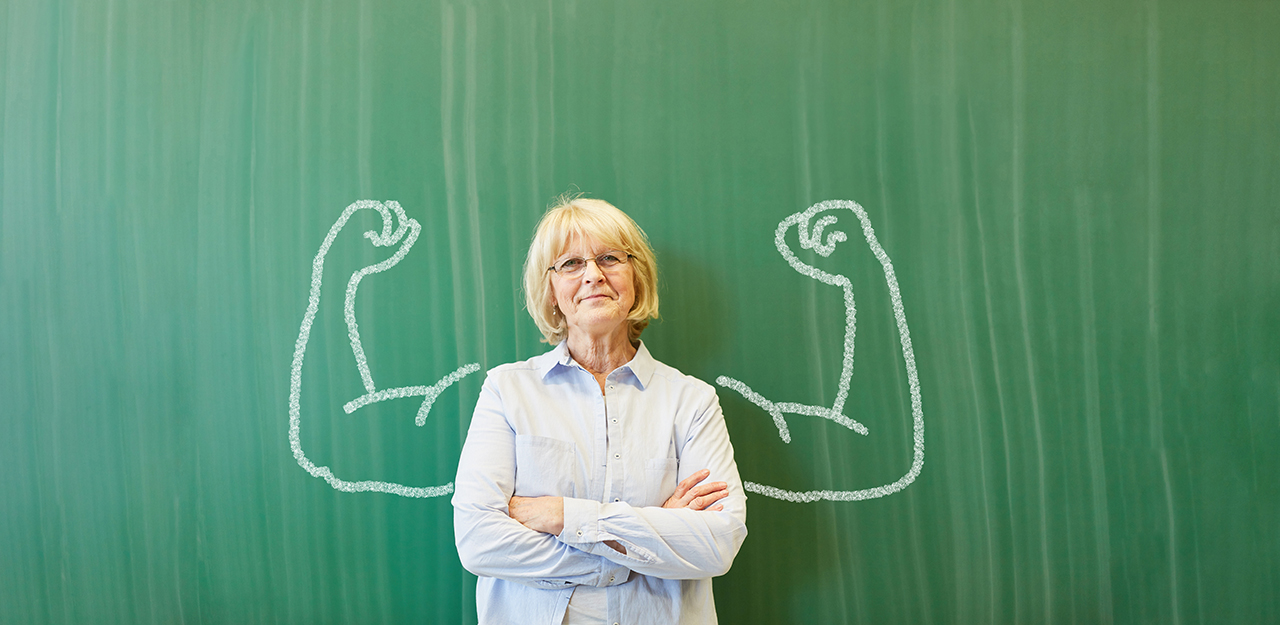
(557, 524)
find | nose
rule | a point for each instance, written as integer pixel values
(592, 272)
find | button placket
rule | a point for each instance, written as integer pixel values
(614, 439)
(614, 435)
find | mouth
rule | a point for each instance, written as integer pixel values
(592, 297)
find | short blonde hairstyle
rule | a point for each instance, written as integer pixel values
(585, 218)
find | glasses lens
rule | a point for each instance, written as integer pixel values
(570, 266)
(611, 259)
(574, 266)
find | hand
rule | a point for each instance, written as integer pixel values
(690, 494)
(540, 514)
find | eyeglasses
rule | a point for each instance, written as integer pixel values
(606, 261)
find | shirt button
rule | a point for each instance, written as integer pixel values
(579, 532)
(617, 455)
(615, 500)
(615, 420)
(610, 578)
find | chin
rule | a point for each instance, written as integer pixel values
(599, 319)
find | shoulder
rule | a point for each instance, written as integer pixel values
(514, 368)
(532, 368)
(673, 375)
(690, 388)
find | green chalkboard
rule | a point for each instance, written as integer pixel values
(1064, 262)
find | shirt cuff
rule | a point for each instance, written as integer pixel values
(582, 530)
(581, 521)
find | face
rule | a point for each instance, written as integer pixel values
(594, 302)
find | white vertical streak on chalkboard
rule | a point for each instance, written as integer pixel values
(921, 82)
(515, 208)
(473, 185)
(293, 603)
(960, 278)
(961, 270)
(251, 225)
(1018, 70)
(1173, 534)
(33, 192)
(971, 338)
(57, 121)
(979, 413)
(508, 271)
(551, 93)
(812, 325)
(446, 105)
(448, 29)
(995, 352)
(364, 96)
(804, 172)
(1093, 415)
(108, 101)
(534, 122)
(882, 56)
(1154, 390)
(1155, 387)
(365, 65)
(304, 63)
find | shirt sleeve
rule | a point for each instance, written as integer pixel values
(671, 543)
(491, 543)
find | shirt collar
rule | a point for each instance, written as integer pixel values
(559, 355)
(642, 365)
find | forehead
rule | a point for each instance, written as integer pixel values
(584, 246)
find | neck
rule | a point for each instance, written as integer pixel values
(601, 354)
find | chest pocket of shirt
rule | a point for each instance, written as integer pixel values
(545, 467)
(659, 480)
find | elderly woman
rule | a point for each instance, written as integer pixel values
(596, 484)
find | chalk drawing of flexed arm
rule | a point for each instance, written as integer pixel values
(406, 233)
(811, 237)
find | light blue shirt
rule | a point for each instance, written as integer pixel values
(542, 427)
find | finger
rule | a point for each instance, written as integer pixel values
(681, 497)
(698, 503)
(706, 489)
(701, 503)
(691, 481)
(694, 488)
(716, 508)
(702, 491)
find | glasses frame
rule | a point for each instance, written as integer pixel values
(624, 259)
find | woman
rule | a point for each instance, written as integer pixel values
(596, 484)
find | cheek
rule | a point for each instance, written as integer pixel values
(561, 294)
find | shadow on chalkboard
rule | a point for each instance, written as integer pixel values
(783, 569)
(693, 329)
(694, 334)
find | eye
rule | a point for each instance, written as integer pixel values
(571, 265)
(608, 259)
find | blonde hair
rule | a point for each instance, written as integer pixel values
(577, 217)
